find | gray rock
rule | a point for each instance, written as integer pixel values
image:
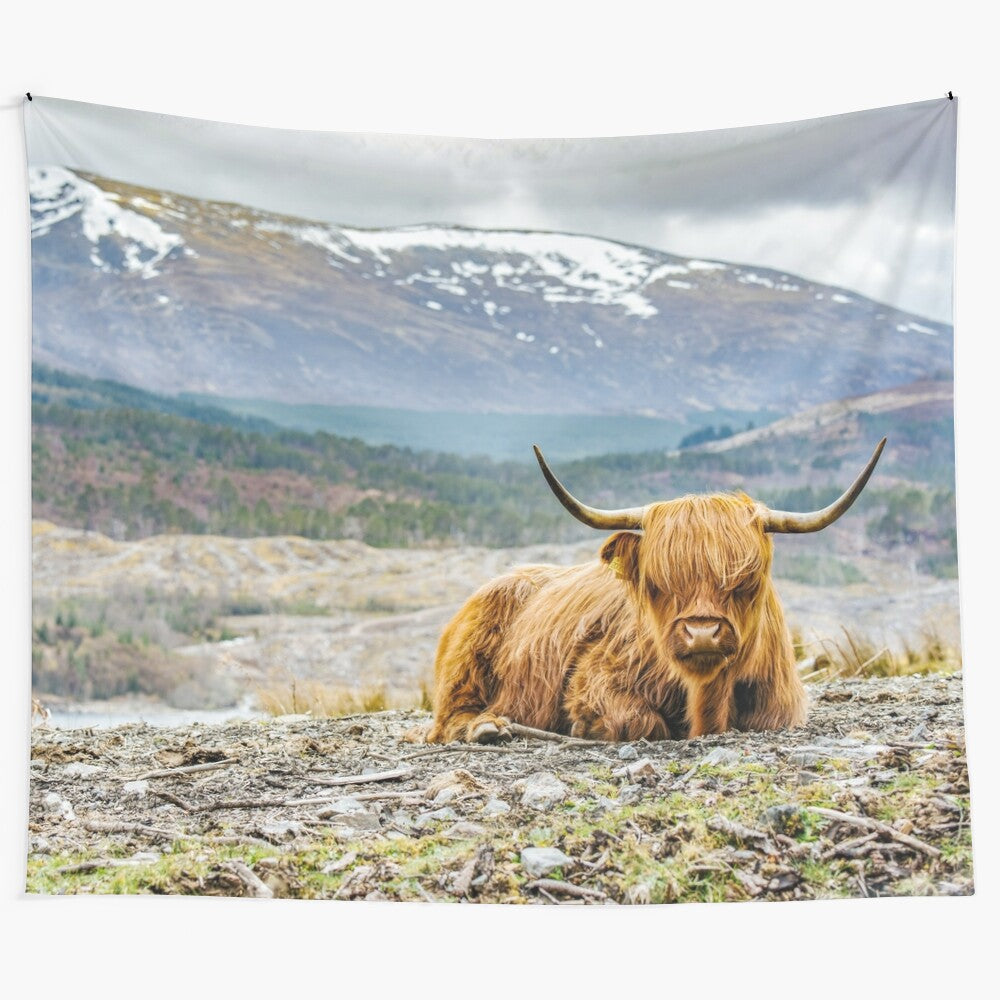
(446, 795)
(628, 794)
(496, 807)
(340, 807)
(282, 831)
(804, 758)
(465, 829)
(640, 771)
(539, 861)
(434, 816)
(139, 789)
(627, 752)
(357, 820)
(55, 804)
(541, 790)
(80, 770)
(720, 756)
(344, 861)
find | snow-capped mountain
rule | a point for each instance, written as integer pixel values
(173, 293)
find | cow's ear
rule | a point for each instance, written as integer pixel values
(621, 553)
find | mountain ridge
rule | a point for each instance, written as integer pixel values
(173, 294)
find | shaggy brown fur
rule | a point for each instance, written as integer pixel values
(675, 632)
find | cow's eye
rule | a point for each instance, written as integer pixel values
(652, 591)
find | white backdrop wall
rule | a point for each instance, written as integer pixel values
(527, 69)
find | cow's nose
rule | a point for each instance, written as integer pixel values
(704, 637)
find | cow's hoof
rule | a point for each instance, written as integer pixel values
(489, 731)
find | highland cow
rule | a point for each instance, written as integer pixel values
(676, 631)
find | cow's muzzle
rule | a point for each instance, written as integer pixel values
(703, 644)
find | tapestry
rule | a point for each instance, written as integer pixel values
(548, 521)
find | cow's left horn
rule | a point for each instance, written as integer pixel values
(784, 521)
(606, 520)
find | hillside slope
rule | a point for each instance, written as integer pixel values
(174, 294)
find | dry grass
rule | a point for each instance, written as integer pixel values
(851, 655)
(320, 700)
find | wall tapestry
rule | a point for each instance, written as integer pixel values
(551, 521)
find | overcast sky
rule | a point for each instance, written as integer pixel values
(863, 200)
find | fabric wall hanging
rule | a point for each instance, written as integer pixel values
(581, 511)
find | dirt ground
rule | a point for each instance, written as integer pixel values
(871, 798)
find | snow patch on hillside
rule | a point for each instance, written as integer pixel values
(58, 194)
(561, 266)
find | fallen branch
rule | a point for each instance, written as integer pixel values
(174, 800)
(746, 834)
(363, 779)
(416, 796)
(254, 886)
(158, 833)
(169, 772)
(116, 826)
(528, 733)
(867, 823)
(568, 888)
(239, 804)
(89, 866)
(853, 849)
(480, 863)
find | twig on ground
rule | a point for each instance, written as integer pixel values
(116, 826)
(423, 892)
(528, 733)
(89, 866)
(363, 779)
(463, 882)
(158, 833)
(239, 804)
(746, 834)
(686, 776)
(174, 800)
(940, 745)
(170, 772)
(867, 823)
(853, 849)
(417, 795)
(555, 885)
(254, 886)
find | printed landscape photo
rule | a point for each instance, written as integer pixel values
(285, 393)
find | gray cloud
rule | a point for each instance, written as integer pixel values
(863, 200)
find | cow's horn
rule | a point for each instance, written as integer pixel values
(784, 521)
(606, 520)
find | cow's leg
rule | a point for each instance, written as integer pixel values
(709, 705)
(761, 706)
(620, 717)
(467, 690)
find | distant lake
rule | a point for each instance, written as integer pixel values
(125, 711)
(500, 436)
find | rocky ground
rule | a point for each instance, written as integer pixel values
(871, 798)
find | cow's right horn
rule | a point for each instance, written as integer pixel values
(789, 522)
(606, 520)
